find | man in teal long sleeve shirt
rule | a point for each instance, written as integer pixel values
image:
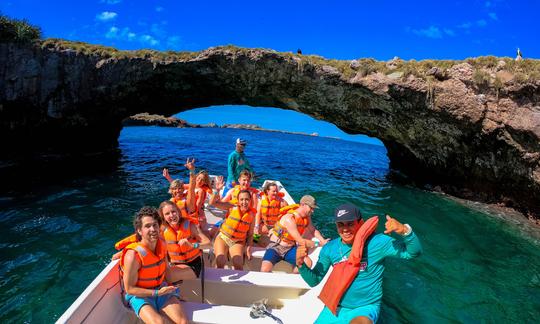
(236, 163)
(362, 299)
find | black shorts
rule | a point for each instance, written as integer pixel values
(196, 265)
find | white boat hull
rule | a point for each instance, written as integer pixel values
(228, 294)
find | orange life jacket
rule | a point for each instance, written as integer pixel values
(202, 192)
(285, 210)
(125, 242)
(180, 253)
(236, 190)
(270, 209)
(181, 204)
(153, 265)
(281, 232)
(237, 226)
(343, 273)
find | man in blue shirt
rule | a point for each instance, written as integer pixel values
(361, 302)
(236, 163)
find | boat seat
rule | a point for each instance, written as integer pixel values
(241, 288)
(206, 313)
(254, 264)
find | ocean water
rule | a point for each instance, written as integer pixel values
(477, 267)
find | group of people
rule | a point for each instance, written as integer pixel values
(167, 244)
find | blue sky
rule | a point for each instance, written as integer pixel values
(270, 118)
(333, 29)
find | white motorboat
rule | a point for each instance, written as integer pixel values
(230, 296)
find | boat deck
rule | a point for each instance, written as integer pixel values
(228, 293)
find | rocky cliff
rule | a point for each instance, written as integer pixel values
(470, 127)
(146, 119)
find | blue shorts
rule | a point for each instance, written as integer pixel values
(218, 224)
(345, 315)
(275, 253)
(156, 302)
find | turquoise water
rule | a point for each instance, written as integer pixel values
(56, 238)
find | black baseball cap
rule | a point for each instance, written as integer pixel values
(346, 213)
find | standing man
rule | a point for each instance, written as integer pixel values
(236, 163)
(144, 267)
(361, 302)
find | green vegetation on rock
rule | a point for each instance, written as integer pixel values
(485, 69)
(20, 31)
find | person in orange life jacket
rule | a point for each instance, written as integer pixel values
(360, 303)
(288, 232)
(187, 205)
(202, 189)
(145, 273)
(236, 231)
(244, 183)
(184, 240)
(268, 212)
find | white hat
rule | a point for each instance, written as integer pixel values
(241, 141)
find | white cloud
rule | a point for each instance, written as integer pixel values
(159, 9)
(150, 36)
(174, 42)
(111, 2)
(481, 23)
(124, 34)
(449, 32)
(112, 33)
(148, 40)
(465, 25)
(106, 16)
(430, 32)
(493, 15)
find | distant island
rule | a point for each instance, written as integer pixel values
(146, 119)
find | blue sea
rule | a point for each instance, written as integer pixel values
(478, 266)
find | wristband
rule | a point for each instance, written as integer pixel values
(409, 230)
(195, 245)
(156, 293)
(191, 171)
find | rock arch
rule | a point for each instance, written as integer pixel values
(441, 128)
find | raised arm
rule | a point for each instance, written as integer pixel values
(199, 203)
(228, 196)
(407, 247)
(190, 199)
(214, 198)
(312, 276)
(167, 175)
